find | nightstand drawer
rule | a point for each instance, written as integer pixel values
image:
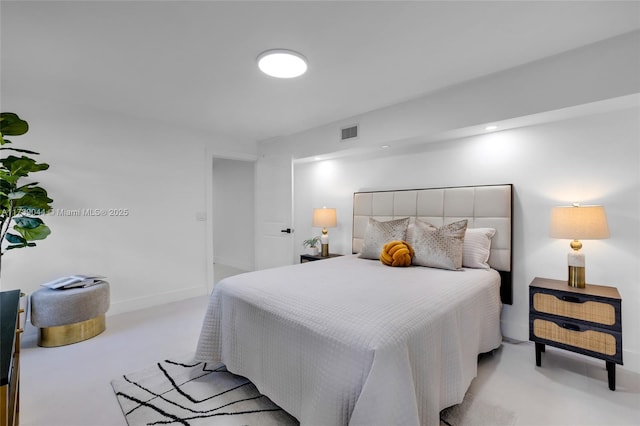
(575, 306)
(578, 336)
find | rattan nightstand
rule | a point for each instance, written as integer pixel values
(582, 320)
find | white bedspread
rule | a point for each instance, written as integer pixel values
(351, 341)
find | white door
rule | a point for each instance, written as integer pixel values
(274, 230)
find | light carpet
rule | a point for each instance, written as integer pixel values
(186, 392)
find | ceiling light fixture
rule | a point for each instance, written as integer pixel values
(282, 63)
(491, 127)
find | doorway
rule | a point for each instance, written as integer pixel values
(233, 189)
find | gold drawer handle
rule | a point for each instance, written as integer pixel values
(19, 330)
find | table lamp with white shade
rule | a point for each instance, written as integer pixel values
(578, 223)
(325, 218)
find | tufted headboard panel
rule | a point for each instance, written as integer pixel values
(487, 206)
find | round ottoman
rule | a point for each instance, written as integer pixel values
(69, 316)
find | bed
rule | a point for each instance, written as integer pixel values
(349, 340)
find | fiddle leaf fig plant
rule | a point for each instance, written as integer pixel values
(21, 200)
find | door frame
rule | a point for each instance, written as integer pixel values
(210, 155)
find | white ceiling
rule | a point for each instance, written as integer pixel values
(193, 62)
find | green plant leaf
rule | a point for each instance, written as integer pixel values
(28, 185)
(35, 198)
(5, 189)
(22, 166)
(12, 125)
(15, 239)
(26, 151)
(40, 232)
(28, 222)
(5, 186)
(7, 181)
(21, 246)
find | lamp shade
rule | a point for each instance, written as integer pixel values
(325, 217)
(579, 223)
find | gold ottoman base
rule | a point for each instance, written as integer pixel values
(61, 335)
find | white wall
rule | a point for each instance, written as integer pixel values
(155, 254)
(592, 159)
(233, 194)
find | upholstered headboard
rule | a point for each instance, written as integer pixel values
(488, 206)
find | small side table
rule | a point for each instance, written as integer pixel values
(304, 258)
(586, 320)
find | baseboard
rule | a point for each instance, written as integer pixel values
(631, 361)
(154, 300)
(30, 331)
(517, 333)
(115, 308)
(514, 331)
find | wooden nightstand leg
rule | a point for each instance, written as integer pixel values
(539, 350)
(611, 369)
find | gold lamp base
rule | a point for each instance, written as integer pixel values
(576, 276)
(324, 239)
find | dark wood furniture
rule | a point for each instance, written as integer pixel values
(304, 258)
(9, 357)
(586, 320)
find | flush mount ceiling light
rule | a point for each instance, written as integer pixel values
(282, 63)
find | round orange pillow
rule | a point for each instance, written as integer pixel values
(396, 253)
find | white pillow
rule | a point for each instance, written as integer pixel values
(477, 247)
(380, 233)
(438, 247)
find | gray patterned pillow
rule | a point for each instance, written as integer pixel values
(438, 247)
(378, 234)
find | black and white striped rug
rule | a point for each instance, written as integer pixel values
(185, 392)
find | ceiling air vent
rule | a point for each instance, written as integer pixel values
(348, 133)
